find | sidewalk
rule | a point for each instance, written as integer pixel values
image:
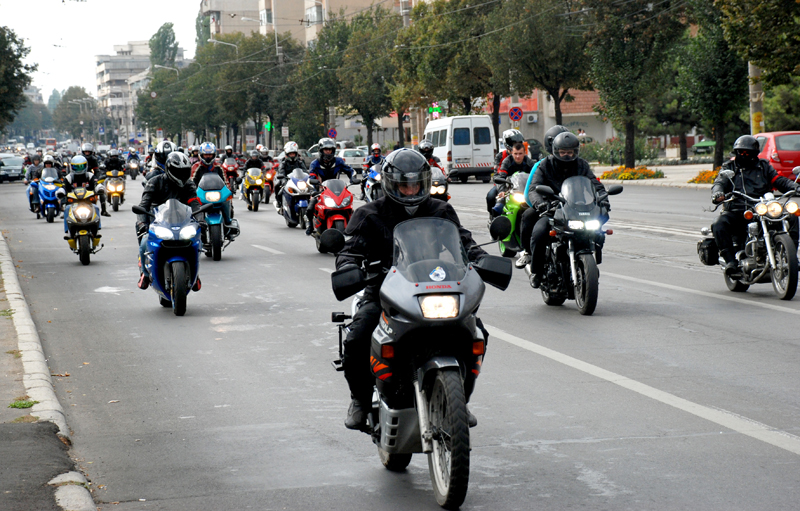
(36, 472)
(676, 176)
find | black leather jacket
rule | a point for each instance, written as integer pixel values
(114, 164)
(754, 181)
(552, 173)
(160, 189)
(86, 180)
(286, 167)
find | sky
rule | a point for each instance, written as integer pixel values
(65, 35)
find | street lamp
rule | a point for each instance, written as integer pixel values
(166, 67)
(227, 44)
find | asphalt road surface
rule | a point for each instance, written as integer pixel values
(675, 394)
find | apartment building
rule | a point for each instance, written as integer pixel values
(226, 16)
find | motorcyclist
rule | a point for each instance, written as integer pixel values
(133, 154)
(32, 173)
(530, 216)
(162, 151)
(88, 152)
(150, 152)
(79, 177)
(376, 158)
(253, 162)
(194, 152)
(229, 152)
(114, 162)
(753, 177)
(207, 163)
(407, 185)
(265, 157)
(517, 161)
(552, 171)
(326, 166)
(290, 162)
(426, 148)
(174, 183)
(510, 138)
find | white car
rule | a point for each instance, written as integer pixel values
(354, 158)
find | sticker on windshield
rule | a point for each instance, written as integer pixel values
(438, 274)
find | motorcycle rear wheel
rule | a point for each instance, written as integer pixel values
(394, 462)
(784, 277)
(586, 287)
(51, 214)
(178, 288)
(83, 249)
(448, 464)
(215, 236)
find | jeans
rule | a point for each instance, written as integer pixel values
(142, 259)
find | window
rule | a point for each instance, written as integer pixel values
(761, 141)
(461, 136)
(265, 17)
(481, 136)
(788, 143)
(314, 15)
(435, 138)
(442, 138)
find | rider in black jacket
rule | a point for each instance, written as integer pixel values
(552, 171)
(407, 184)
(175, 183)
(754, 177)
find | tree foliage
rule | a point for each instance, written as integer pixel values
(14, 75)
(163, 46)
(32, 118)
(54, 100)
(67, 116)
(782, 106)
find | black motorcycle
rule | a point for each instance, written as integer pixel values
(570, 270)
(427, 349)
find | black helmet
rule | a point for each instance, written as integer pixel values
(164, 148)
(402, 168)
(179, 169)
(551, 134)
(327, 143)
(566, 142)
(746, 150)
(426, 148)
(511, 137)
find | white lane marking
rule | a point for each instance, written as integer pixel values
(650, 228)
(732, 421)
(326, 270)
(112, 290)
(706, 294)
(270, 250)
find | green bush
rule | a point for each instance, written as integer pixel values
(602, 151)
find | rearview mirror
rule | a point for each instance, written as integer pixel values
(544, 190)
(727, 174)
(332, 240)
(614, 190)
(500, 228)
(796, 171)
(139, 210)
(313, 181)
(500, 180)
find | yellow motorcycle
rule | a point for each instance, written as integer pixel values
(115, 188)
(81, 223)
(254, 188)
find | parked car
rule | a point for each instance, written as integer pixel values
(704, 147)
(306, 156)
(12, 169)
(363, 148)
(464, 144)
(352, 157)
(781, 149)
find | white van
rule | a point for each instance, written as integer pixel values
(465, 144)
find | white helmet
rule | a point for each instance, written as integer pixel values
(291, 147)
(259, 147)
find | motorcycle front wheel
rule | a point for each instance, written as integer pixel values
(254, 200)
(215, 235)
(784, 275)
(178, 288)
(83, 249)
(587, 284)
(115, 203)
(448, 464)
(51, 214)
(302, 214)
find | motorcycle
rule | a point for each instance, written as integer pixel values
(115, 188)
(254, 188)
(439, 184)
(81, 223)
(48, 186)
(512, 198)
(427, 350)
(133, 169)
(296, 194)
(767, 253)
(173, 255)
(372, 188)
(32, 191)
(333, 209)
(231, 170)
(570, 270)
(212, 190)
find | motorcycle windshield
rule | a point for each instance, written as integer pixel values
(437, 174)
(429, 250)
(211, 181)
(579, 193)
(336, 186)
(298, 174)
(173, 212)
(519, 180)
(230, 162)
(254, 173)
(49, 175)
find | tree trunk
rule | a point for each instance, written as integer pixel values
(467, 102)
(368, 126)
(236, 146)
(630, 154)
(496, 117)
(401, 133)
(259, 127)
(719, 140)
(682, 143)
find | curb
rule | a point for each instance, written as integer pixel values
(36, 378)
(658, 182)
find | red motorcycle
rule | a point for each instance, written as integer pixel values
(231, 169)
(333, 210)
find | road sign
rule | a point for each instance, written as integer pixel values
(515, 125)
(515, 113)
(285, 131)
(332, 133)
(153, 94)
(102, 130)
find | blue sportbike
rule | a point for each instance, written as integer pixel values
(219, 218)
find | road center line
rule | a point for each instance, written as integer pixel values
(326, 270)
(728, 420)
(705, 294)
(270, 250)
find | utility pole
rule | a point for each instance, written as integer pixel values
(414, 112)
(756, 99)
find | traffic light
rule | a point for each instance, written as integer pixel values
(268, 126)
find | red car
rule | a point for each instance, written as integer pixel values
(781, 149)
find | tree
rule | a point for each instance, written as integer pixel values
(14, 75)
(628, 42)
(766, 33)
(541, 29)
(68, 116)
(202, 27)
(712, 75)
(32, 118)
(782, 106)
(163, 46)
(55, 98)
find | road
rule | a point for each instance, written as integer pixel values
(675, 394)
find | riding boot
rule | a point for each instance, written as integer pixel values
(103, 211)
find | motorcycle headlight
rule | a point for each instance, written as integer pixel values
(519, 197)
(134, 166)
(346, 202)
(213, 196)
(378, 178)
(258, 181)
(761, 209)
(83, 213)
(774, 209)
(188, 232)
(439, 306)
(792, 207)
(162, 232)
(301, 185)
(575, 225)
(329, 202)
(53, 187)
(592, 225)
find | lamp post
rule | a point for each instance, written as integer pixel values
(215, 41)
(166, 67)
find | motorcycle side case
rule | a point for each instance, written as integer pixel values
(708, 251)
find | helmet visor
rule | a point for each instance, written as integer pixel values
(79, 168)
(407, 187)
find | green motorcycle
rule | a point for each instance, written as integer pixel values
(511, 192)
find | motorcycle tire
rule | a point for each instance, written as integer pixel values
(339, 225)
(505, 251)
(303, 220)
(51, 215)
(289, 223)
(394, 462)
(254, 200)
(267, 195)
(586, 287)
(320, 248)
(784, 276)
(115, 203)
(215, 236)
(84, 245)
(133, 175)
(735, 285)
(164, 302)
(448, 464)
(178, 287)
